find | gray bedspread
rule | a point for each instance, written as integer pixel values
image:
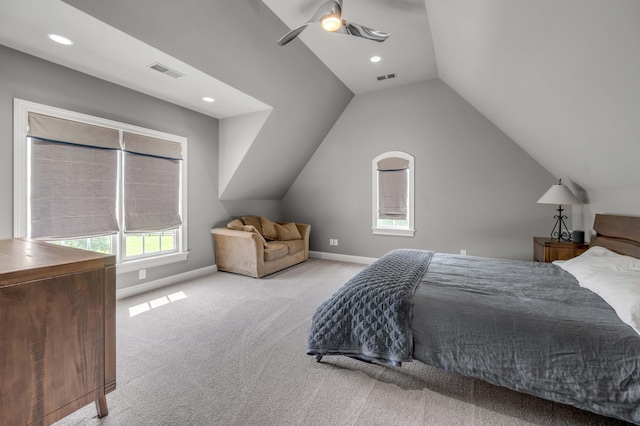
(529, 327)
(369, 317)
(523, 325)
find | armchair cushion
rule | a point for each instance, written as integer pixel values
(287, 232)
(253, 221)
(235, 224)
(294, 246)
(268, 228)
(275, 251)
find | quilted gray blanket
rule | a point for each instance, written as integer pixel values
(369, 318)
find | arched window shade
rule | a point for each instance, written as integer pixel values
(393, 182)
(393, 187)
(393, 163)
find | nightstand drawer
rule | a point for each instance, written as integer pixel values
(548, 250)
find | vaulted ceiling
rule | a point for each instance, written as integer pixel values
(559, 77)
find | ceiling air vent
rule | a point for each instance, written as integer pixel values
(166, 70)
(386, 77)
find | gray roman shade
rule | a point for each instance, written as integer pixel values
(74, 132)
(152, 172)
(155, 147)
(393, 174)
(73, 178)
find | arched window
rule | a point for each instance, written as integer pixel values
(393, 192)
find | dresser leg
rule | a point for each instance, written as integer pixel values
(101, 406)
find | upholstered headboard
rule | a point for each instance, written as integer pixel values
(617, 233)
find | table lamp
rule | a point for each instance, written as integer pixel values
(559, 194)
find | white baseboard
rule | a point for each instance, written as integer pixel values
(163, 282)
(341, 257)
(197, 273)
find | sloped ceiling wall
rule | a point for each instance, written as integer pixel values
(235, 42)
(561, 78)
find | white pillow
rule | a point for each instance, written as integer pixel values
(612, 276)
(621, 290)
(598, 260)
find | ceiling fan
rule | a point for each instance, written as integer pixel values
(329, 15)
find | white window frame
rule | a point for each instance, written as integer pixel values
(402, 232)
(21, 109)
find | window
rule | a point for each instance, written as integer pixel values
(100, 244)
(393, 193)
(150, 243)
(96, 184)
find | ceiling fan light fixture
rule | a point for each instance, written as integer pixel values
(329, 16)
(331, 23)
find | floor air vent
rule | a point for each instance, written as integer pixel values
(386, 77)
(166, 70)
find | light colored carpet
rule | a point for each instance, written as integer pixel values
(233, 353)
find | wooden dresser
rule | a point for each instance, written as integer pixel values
(548, 250)
(57, 331)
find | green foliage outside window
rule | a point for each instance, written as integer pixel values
(99, 244)
(156, 242)
(136, 244)
(393, 223)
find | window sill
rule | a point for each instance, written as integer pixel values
(134, 265)
(396, 232)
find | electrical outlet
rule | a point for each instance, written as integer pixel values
(330, 241)
(335, 242)
(463, 252)
(142, 274)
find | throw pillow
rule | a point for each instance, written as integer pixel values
(288, 232)
(235, 224)
(253, 221)
(251, 228)
(268, 229)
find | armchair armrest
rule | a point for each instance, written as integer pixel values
(238, 251)
(305, 231)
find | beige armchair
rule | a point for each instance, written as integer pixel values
(247, 253)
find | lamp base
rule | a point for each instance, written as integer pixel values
(560, 232)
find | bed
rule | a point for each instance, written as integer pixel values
(531, 327)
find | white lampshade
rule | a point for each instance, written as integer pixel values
(558, 194)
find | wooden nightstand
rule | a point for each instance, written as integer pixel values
(547, 250)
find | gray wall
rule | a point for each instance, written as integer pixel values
(622, 201)
(475, 188)
(26, 77)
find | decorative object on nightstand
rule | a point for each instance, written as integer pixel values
(559, 194)
(577, 236)
(547, 249)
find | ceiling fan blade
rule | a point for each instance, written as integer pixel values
(292, 34)
(358, 30)
(326, 8)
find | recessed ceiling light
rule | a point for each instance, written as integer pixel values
(375, 58)
(60, 39)
(208, 99)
